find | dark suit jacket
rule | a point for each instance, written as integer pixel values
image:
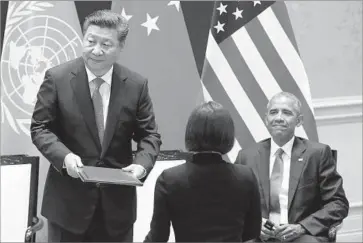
(63, 121)
(206, 199)
(316, 198)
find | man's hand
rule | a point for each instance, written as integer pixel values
(72, 163)
(265, 232)
(289, 232)
(137, 170)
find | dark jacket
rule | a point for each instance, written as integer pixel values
(63, 121)
(206, 199)
(316, 197)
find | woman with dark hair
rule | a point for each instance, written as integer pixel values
(207, 198)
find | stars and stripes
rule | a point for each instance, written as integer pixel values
(238, 13)
(249, 58)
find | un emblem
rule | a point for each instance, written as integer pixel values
(31, 46)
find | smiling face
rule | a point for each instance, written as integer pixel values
(282, 116)
(101, 49)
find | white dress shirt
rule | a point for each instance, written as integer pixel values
(105, 90)
(282, 218)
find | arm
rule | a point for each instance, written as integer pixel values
(146, 135)
(335, 205)
(253, 219)
(160, 223)
(43, 124)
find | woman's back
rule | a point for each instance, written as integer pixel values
(209, 199)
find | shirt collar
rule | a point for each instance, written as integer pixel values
(107, 77)
(287, 147)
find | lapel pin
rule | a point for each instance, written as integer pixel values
(300, 159)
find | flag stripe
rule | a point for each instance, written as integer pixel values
(263, 76)
(281, 13)
(244, 75)
(232, 155)
(286, 51)
(267, 83)
(198, 27)
(216, 91)
(281, 74)
(235, 91)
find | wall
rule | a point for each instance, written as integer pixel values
(329, 37)
(339, 122)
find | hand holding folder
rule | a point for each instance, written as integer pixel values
(108, 176)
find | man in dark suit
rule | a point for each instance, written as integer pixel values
(301, 191)
(87, 112)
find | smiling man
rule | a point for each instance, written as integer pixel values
(301, 192)
(87, 112)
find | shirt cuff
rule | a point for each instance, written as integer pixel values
(64, 162)
(143, 172)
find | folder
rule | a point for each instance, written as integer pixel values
(108, 176)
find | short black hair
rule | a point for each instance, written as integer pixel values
(210, 128)
(297, 102)
(107, 19)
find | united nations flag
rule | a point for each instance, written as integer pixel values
(38, 35)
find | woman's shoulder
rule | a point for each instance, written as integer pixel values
(244, 170)
(174, 170)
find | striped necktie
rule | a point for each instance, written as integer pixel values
(98, 107)
(276, 182)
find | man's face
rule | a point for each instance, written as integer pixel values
(101, 49)
(282, 117)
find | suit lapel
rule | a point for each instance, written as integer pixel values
(264, 167)
(80, 87)
(118, 94)
(296, 167)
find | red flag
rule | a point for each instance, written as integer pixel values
(158, 47)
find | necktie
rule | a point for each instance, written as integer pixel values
(276, 182)
(98, 108)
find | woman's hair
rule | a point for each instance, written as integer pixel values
(108, 19)
(210, 128)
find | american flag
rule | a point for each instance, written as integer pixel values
(246, 52)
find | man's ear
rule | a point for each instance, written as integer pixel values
(122, 45)
(299, 120)
(265, 119)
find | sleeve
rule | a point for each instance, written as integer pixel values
(253, 221)
(43, 124)
(160, 223)
(146, 135)
(335, 205)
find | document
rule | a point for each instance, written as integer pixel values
(108, 176)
